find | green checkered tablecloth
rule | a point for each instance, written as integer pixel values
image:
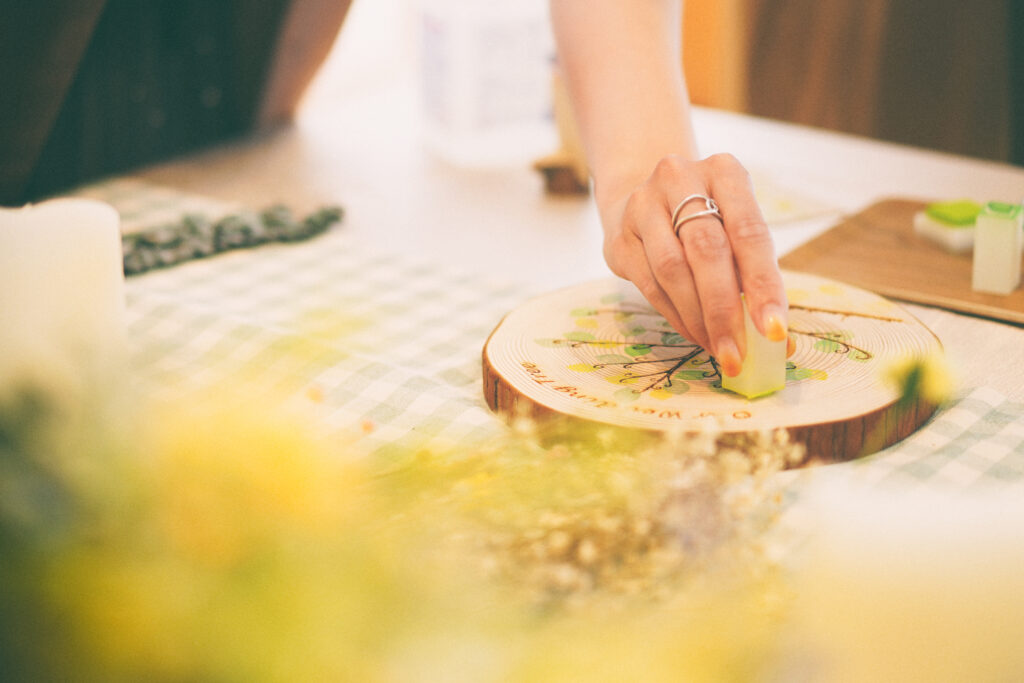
(387, 346)
(384, 346)
(976, 440)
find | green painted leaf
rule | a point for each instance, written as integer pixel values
(677, 387)
(827, 346)
(626, 395)
(576, 335)
(638, 349)
(672, 338)
(834, 343)
(796, 374)
(689, 375)
(582, 312)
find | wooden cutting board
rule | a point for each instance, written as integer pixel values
(598, 352)
(878, 250)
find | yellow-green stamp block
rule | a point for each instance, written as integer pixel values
(764, 368)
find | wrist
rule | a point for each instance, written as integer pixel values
(613, 189)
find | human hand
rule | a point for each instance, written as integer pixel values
(694, 279)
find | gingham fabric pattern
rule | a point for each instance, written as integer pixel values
(384, 346)
(977, 440)
(388, 347)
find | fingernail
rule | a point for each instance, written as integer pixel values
(774, 324)
(728, 357)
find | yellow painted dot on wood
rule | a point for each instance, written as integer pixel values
(831, 289)
(796, 295)
(582, 367)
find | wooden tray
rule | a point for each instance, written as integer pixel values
(597, 352)
(878, 250)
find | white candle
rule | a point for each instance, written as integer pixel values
(61, 296)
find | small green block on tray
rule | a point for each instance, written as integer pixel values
(960, 212)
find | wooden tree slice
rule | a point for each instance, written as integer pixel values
(598, 352)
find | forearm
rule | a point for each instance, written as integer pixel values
(621, 63)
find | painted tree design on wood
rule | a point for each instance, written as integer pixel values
(657, 361)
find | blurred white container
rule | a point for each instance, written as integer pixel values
(485, 79)
(912, 584)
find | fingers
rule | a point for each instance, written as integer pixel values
(628, 258)
(751, 244)
(695, 267)
(707, 249)
(667, 264)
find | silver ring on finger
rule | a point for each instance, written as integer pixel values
(710, 209)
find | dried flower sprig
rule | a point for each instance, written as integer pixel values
(196, 236)
(621, 516)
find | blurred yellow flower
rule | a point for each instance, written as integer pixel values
(927, 377)
(218, 539)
